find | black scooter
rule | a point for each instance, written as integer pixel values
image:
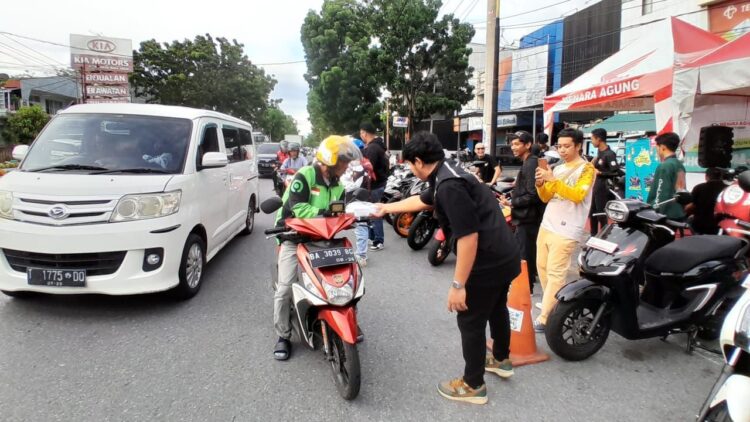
(637, 280)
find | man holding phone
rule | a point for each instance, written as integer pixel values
(567, 192)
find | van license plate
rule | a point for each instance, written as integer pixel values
(331, 257)
(55, 277)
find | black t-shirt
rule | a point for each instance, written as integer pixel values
(704, 200)
(487, 171)
(606, 163)
(464, 206)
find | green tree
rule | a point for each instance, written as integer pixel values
(276, 123)
(344, 85)
(425, 60)
(204, 73)
(25, 124)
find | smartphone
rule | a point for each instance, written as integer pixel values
(543, 164)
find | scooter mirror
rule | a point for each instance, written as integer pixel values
(271, 205)
(744, 181)
(683, 198)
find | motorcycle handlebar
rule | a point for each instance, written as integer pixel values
(743, 224)
(677, 224)
(275, 230)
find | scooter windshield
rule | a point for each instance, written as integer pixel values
(630, 245)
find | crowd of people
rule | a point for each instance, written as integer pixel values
(550, 207)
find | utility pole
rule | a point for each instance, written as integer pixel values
(491, 75)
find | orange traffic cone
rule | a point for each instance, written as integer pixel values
(523, 349)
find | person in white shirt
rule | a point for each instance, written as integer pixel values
(295, 160)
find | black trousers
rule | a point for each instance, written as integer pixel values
(599, 198)
(526, 235)
(485, 304)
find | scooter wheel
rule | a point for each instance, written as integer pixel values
(345, 366)
(420, 232)
(437, 252)
(567, 326)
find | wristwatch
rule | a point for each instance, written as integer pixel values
(456, 285)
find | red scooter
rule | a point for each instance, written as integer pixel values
(327, 290)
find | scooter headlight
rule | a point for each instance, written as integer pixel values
(617, 211)
(340, 296)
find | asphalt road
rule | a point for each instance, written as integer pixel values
(145, 358)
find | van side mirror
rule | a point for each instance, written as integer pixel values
(19, 152)
(214, 160)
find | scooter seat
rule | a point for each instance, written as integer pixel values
(684, 254)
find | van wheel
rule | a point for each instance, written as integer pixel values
(191, 268)
(249, 219)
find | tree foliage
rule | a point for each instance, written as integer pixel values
(355, 49)
(276, 123)
(344, 88)
(25, 124)
(204, 73)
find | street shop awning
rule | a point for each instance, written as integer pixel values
(625, 123)
(714, 89)
(636, 78)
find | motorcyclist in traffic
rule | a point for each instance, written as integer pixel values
(313, 188)
(295, 161)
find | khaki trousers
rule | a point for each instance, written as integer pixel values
(553, 253)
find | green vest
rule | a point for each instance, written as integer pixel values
(308, 195)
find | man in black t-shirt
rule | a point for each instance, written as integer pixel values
(606, 167)
(375, 152)
(487, 261)
(704, 201)
(490, 171)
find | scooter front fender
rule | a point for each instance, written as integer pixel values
(738, 397)
(440, 235)
(341, 320)
(583, 289)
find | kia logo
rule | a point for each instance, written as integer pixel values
(102, 46)
(59, 212)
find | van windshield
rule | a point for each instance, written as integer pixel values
(93, 143)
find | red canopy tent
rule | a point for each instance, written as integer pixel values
(638, 77)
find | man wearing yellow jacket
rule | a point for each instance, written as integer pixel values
(567, 192)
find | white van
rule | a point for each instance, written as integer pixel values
(125, 198)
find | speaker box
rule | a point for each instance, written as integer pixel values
(715, 146)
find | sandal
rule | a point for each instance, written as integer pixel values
(283, 349)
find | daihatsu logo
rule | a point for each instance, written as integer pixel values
(59, 212)
(102, 46)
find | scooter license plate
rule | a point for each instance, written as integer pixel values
(601, 244)
(331, 257)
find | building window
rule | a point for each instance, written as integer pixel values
(647, 7)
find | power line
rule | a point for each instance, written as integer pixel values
(39, 53)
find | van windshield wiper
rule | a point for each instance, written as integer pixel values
(133, 170)
(68, 167)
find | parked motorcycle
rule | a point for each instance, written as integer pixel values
(442, 244)
(403, 221)
(729, 399)
(688, 283)
(397, 186)
(328, 288)
(421, 230)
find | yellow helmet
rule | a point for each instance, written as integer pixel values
(336, 148)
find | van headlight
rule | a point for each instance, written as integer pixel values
(142, 207)
(617, 211)
(6, 204)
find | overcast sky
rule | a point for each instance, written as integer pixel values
(269, 31)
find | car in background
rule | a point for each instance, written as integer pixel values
(267, 161)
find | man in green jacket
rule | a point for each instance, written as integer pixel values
(313, 188)
(669, 177)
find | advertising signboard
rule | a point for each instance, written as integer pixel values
(529, 77)
(103, 64)
(729, 19)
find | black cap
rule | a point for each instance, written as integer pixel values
(368, 127)
(524, 136)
